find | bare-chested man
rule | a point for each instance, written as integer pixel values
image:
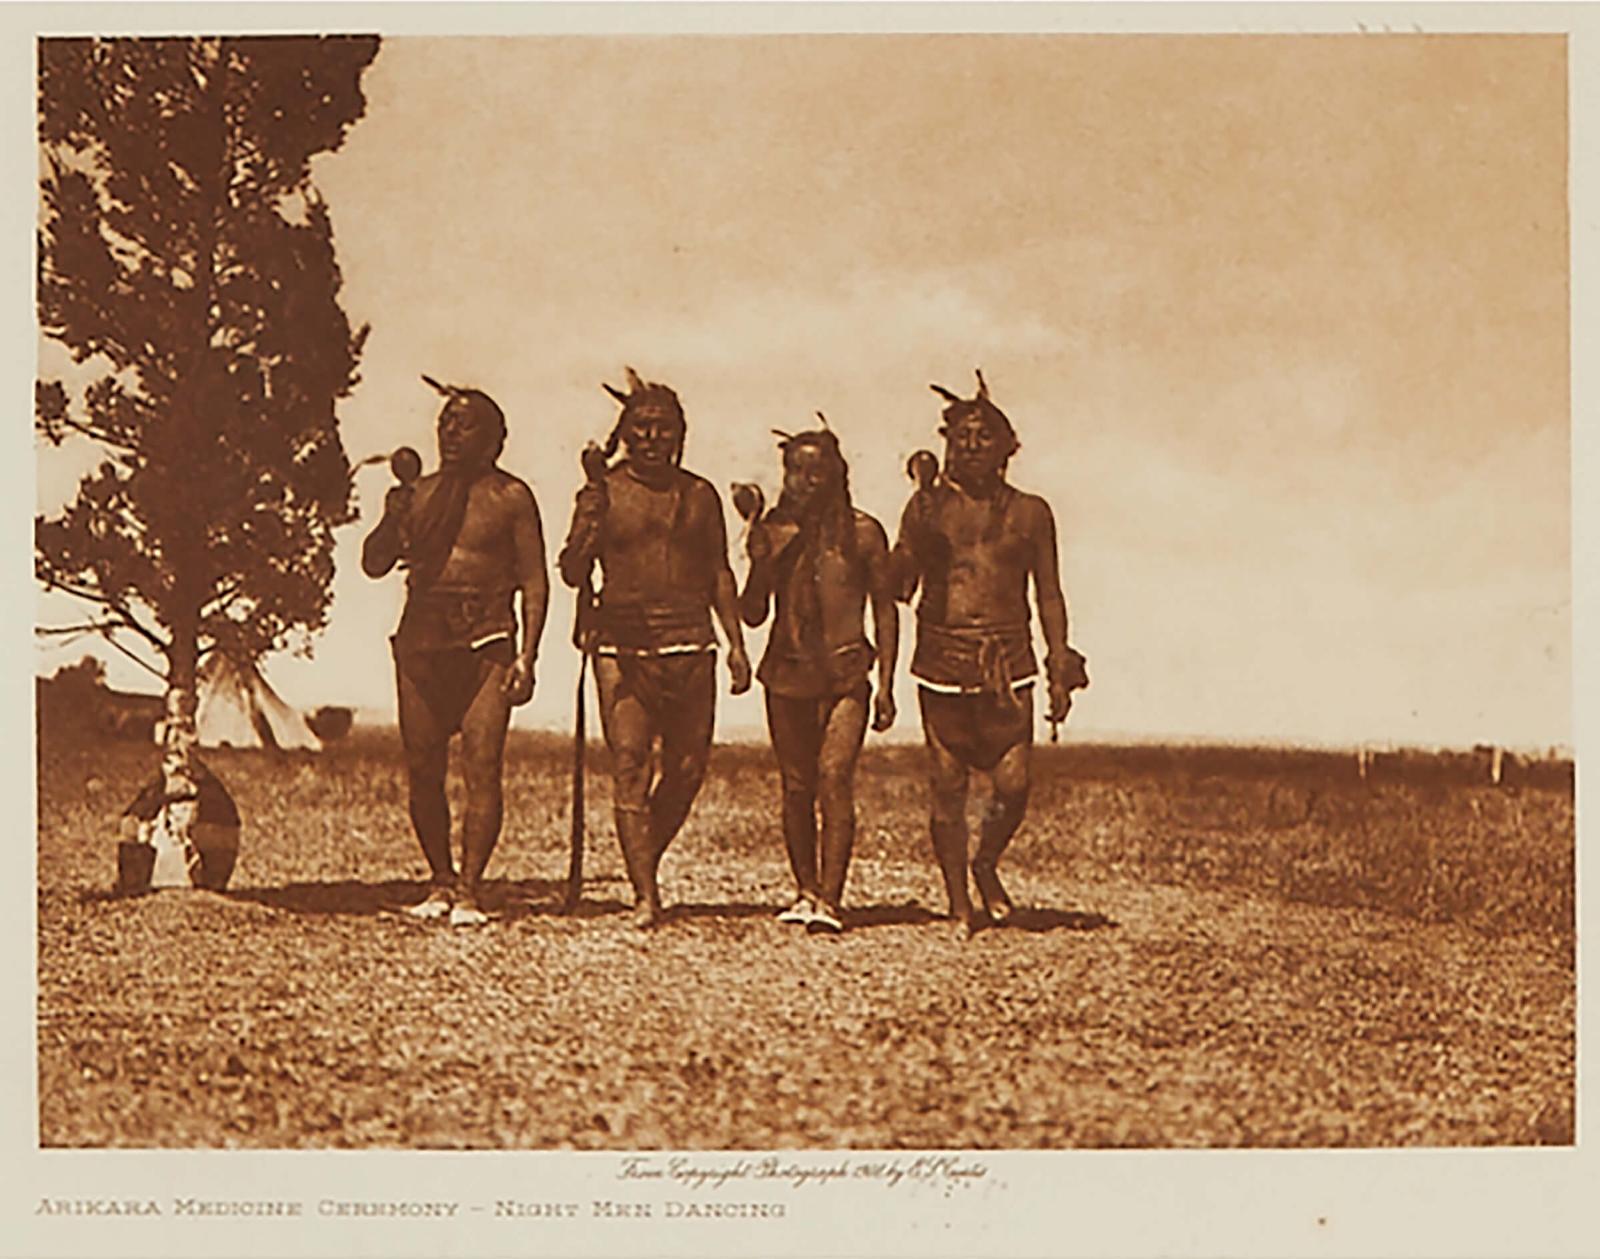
(821, 559)
(973, 542)
(471, 539)
(658, 534)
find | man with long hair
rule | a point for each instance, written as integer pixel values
(973, 542)
(471, 539)
(657, 532)
(821, 560)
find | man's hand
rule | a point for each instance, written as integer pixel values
(1060, 700)
(883, 709)
(738, 670)
(518, 684)
(397, 502)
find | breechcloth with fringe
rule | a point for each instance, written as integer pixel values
(992, 660)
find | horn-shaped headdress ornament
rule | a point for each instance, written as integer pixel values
(641, 392)
(979, 404)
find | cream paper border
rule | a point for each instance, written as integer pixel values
(1505, 1202)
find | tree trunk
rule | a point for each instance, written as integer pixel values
(172, 831)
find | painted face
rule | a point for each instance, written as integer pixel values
(650, 434)
(975, 449)
(807, 473)
(466, 435)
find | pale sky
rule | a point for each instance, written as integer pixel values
(1281, 322)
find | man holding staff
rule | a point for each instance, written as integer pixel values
(658, 535)
(821, 560)
(973, 542)
(471, 539)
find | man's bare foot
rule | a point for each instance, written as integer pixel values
(436, 906)
(646, 916)
(995, 901)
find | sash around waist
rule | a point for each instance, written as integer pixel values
(975, 657)
(652, 626)
(443, 617)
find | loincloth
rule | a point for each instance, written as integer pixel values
(443, 618)
(839, 672)
(974, 660)
(653, 629)
(448, 680)
(669, 686)
(451, 640)
(977, 729)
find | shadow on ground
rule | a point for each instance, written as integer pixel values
(1040, 918)
(506, 899)
(525, 898)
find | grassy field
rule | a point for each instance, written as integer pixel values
(1217, 948)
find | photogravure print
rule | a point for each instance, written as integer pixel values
(781, 608)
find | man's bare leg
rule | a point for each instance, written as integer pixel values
(629, 736)
(1000, 821)
(842, 737)
(947, 782)
(483, 742)
(796, 744)
(685, 750)
(426, 749)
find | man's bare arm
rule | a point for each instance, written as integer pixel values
(755, 599)
(905, 565)
(577, 557)
(885, 620)
(527, 541)
(725, 592)
(1046, 571)
(527, 535)
(1063, 666)
(385, 544)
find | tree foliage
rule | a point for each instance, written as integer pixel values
(186, 257)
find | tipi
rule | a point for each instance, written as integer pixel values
(237, 708)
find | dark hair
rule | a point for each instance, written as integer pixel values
(486, 407)
(673, 412)
(835, 518)
(993, 416)
(646, 395)
(977, 407)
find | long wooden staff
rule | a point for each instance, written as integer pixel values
(594, 467)
(580, 737)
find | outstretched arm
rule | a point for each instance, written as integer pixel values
(725, 594)
(885, 620)
(527, 536)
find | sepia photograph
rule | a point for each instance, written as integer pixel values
(919, 594)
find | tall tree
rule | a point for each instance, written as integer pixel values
(184, 250)
(186, 257)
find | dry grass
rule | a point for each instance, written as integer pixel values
(1219, 949)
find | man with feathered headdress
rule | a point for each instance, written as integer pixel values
(471, 540)
(973, 542)
(821, 561)
(658, 535)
